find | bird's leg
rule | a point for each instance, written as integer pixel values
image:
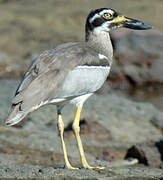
(76, 129)
(61, 132)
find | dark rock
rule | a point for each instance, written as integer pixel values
(159, 146)
(139, 54)
(147, 154)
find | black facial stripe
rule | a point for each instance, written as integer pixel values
(97, 11)
(98, 22)
(115, 14)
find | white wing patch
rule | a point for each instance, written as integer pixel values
(101, 56)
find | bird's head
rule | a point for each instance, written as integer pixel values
(106, 19)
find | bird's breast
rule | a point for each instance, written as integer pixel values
(83, 80)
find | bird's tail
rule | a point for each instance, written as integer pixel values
(15, 116)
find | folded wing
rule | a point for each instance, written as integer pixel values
(46, 75)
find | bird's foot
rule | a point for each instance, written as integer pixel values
(71, 167)
(87, 166)
(96, 168)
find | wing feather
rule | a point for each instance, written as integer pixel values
(48, 72)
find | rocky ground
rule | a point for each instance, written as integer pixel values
(123, 135)
(112, 128)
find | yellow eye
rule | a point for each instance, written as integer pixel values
(107, 16)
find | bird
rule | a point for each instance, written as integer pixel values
(71, 73)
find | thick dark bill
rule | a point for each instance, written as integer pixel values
(135, 24)
(123, 21)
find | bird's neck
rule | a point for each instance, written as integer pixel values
(100, 41)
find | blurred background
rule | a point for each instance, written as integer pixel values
(28, 27)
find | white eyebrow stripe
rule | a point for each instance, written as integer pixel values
(99, 14)
(106, 11)
(94, 17)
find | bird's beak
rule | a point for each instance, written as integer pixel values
(126, 22)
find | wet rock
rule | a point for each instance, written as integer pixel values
(139, 54)
(146, 153)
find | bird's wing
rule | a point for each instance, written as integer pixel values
(46, 75)
(39, 65)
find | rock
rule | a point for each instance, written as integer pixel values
(158, 122)
(109, 126)
(123, 119)
(139, 54)
(159, 146)
(11, 66)
(14, 66)
(146, 153)
(156, 71)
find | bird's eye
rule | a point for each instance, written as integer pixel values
(107, 15)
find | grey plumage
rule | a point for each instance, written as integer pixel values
(71, 73)
(45, 77)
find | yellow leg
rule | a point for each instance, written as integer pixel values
(76, 129)
(61, 131)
